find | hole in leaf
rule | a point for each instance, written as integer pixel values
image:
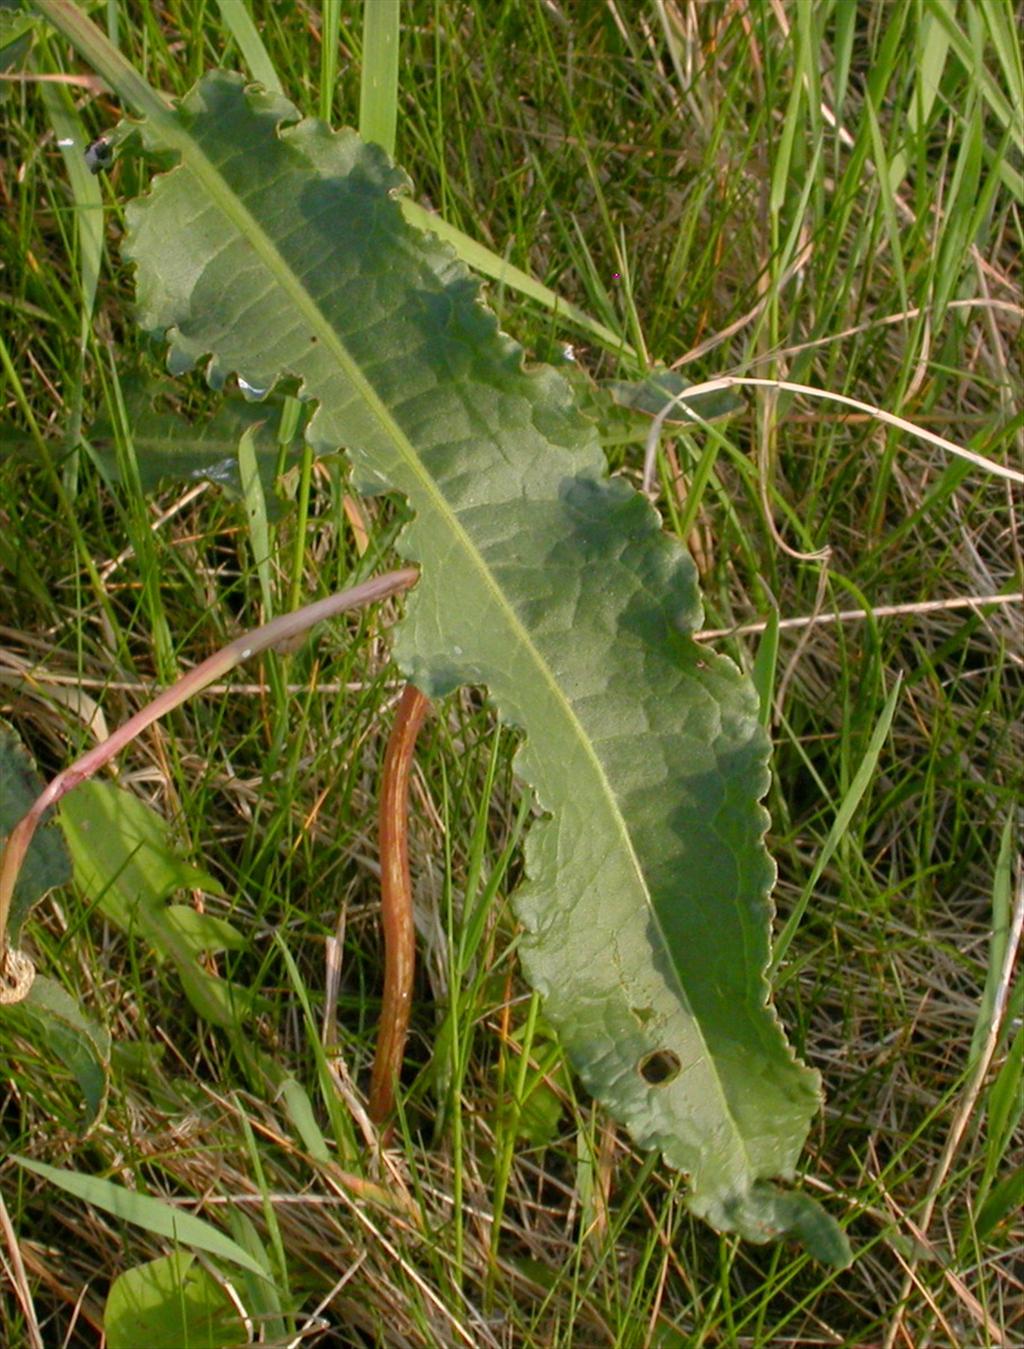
(642, 1014)
(660, 1068)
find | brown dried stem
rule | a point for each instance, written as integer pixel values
(396, 903)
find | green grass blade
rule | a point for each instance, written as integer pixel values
(86, 193)
(256, 513)
(1002, 886)
(378, 92)
(484, 260)
(886, 188)
(862, 780)
(765, 663)
(1005, 108)
(239, 22)
(330, 18)
(152, 1215)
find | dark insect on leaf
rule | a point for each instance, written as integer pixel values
(98, 154)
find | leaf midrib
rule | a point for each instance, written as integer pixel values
(195, 161)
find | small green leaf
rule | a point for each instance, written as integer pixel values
(171, 1303)
(1006, 1198)
(124, 861)
(52, 1020)
(536, 1109)
(1002, 901)
(153, 1215)
(169, 445)
(663, 387)
(300, 1112)
(1004, 1102)
(204, 933)
(122, 855)
(538, 1117)
(261, 1297)
(47, 863)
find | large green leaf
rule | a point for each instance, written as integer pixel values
(276, 247)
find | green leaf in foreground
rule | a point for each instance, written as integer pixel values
(170, 1303)
(276, 249)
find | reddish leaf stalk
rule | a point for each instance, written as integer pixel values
(396, 903)
(282, 629)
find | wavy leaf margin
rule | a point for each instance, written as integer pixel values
(647, 910)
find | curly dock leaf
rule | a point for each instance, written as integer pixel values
(277, 247)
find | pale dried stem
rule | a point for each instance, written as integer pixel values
(859, 615)
(19, 1280)
(81, 79)
(681, 400)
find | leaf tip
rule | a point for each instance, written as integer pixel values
(766, 1213)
